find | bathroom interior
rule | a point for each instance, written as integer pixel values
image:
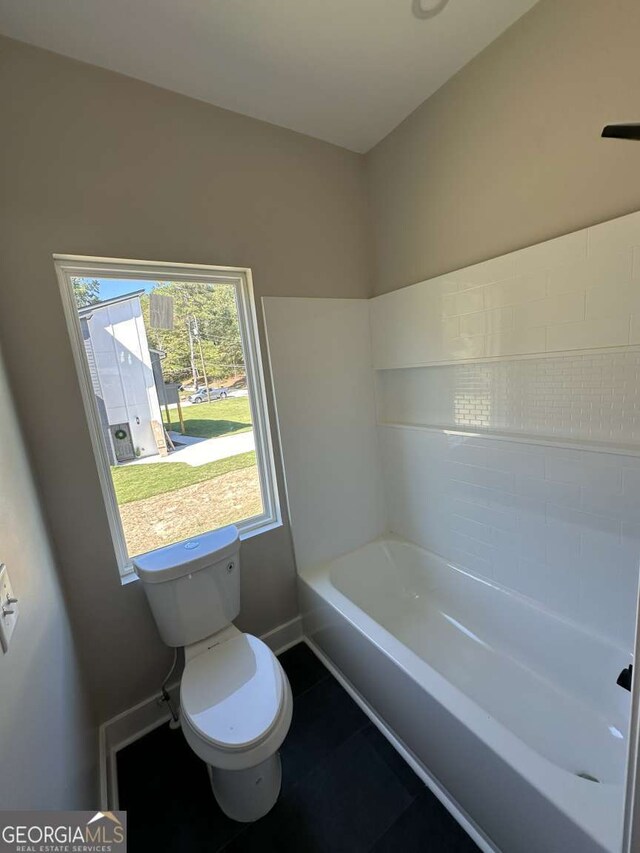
(320, 447)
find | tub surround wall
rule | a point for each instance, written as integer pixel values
(522, 470)
(516, 463)
(320, 356)
(552, 512)
(524, 397)
(576, 292)
(561, 526)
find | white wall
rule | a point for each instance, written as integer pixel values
(48, 742)
(320, 356)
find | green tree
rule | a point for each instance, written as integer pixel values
(86, 291)
(205, 338)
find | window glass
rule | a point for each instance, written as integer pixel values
(168, 373)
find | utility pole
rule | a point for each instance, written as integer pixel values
(192, 356)
(204, 369)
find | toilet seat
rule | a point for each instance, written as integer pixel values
(233, 695)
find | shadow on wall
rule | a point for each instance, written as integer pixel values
(45, 716)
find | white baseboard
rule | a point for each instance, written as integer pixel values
(418, 768)
(124, 729)
(284, 636)
(134, 723)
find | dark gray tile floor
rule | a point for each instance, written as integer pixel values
(344, 789)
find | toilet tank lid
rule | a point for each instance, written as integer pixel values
(184, 558)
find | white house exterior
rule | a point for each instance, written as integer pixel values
(120, 363)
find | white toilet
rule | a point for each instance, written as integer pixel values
(235, 699)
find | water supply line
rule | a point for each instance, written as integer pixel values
(175, 716)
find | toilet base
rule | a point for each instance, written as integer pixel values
(247, 795)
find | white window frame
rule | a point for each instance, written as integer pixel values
(78, 266)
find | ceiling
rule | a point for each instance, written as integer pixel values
(346, 71)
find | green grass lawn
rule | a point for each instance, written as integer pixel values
(219, 417)
(135, 482)
(204, 420)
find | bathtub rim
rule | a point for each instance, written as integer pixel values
(319, 568)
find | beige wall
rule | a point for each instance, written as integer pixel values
(48, 743)
(507, 153)
(96, 163)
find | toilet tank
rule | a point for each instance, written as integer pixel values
(193, 587)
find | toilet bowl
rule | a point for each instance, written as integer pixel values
(235, 708)
(235, 698)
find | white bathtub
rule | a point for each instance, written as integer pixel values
(502, 704)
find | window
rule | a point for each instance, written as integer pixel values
(170, 371)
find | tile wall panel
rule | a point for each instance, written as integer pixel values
(594, 397)
(557, 525)
(561, 526)
(579, 291)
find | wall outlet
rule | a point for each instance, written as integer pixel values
(8, 609)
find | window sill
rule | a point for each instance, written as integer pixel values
(129, 576)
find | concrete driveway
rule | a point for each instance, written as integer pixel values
(199, 451)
